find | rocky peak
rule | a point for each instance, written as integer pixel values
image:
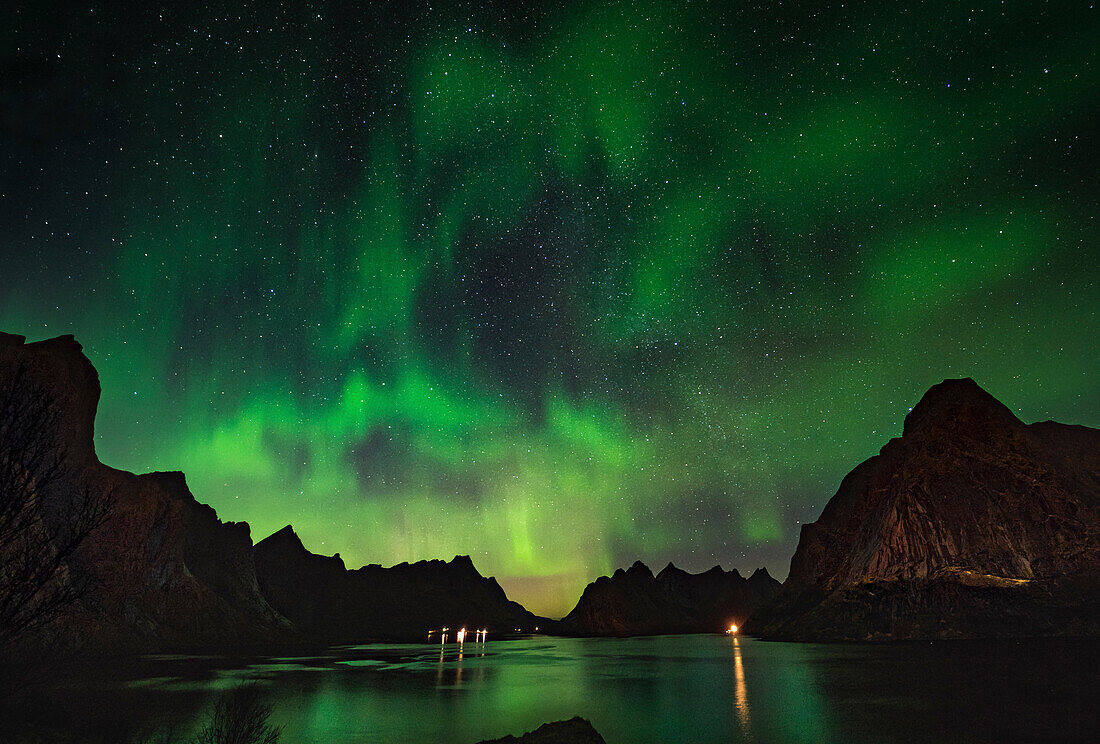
(172, 482)
(970, 516)
(464, 562)
(11, 339)
(952, 403)
(59, 365)
(286, 546)
(638, 571)
(286, 536)
(761, 575)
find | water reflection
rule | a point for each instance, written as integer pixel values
(457, 664)
(741, 697)
(662, 690)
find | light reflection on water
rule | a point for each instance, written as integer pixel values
(741, 701)
(697, 689)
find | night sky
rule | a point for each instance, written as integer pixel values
(559, 288)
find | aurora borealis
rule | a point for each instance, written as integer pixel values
(559, 288)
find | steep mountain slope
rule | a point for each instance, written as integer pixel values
(970, 524)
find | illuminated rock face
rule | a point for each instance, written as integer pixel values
(970, 524)
(635, 602)
(163, 571)
(324, 599)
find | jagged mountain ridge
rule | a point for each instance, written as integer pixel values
(325, 599)
(972, 523)
(635, 602)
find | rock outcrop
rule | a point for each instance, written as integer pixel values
(163, 571)
(971, 524)
(574, 731)
(324, 599)
(635, 602)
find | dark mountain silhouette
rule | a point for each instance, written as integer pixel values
(324, 599)
(971, 524)
(163, 572)
(635, 602)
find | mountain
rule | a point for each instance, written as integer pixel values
(971, 524)
(162, 571)
(635, 602)
(324, 599)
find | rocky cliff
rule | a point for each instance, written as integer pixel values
(162, 571)
(971, 524)
(635, 602)
(320, 596)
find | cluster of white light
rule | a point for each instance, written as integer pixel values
(480, 636)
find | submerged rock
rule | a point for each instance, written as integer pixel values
(971, 524)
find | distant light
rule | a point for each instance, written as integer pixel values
(732, 630)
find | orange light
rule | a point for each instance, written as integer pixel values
(732, 630)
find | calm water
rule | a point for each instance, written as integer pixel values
(695, 689)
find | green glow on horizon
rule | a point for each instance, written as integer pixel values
(638, 281)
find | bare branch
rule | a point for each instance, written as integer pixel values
(45, 513)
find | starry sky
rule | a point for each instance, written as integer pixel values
(556, 287)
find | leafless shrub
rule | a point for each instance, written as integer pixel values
(44, 515)
(240, 717)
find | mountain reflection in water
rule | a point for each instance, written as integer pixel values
(697, 689)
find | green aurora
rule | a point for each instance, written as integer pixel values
(556, 288)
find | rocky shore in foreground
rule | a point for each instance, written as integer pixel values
(574, 731)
